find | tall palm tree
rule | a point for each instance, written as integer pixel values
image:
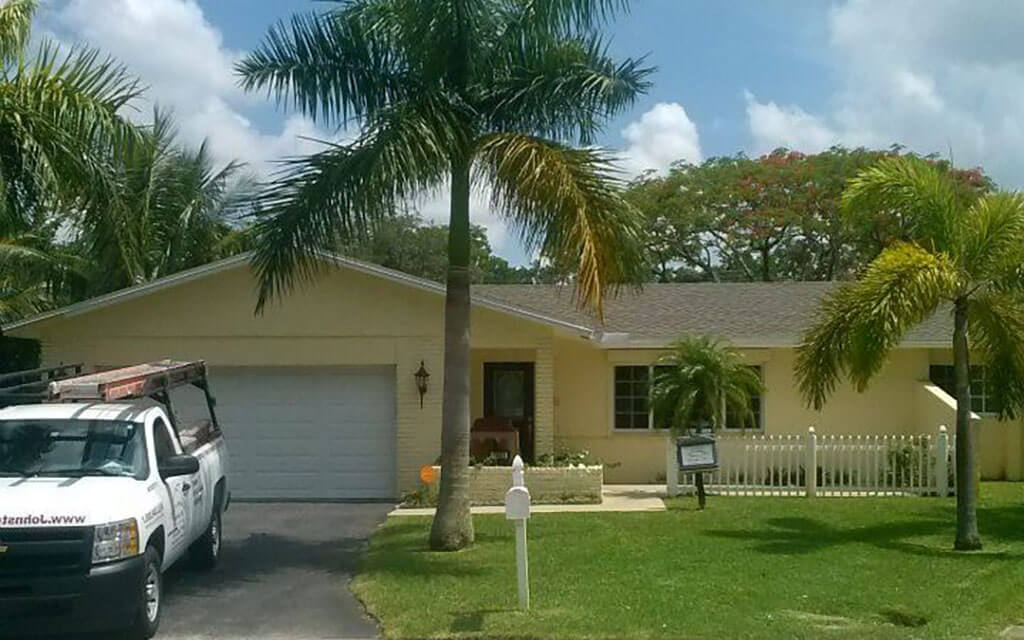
(963, 254)
(452, 92)
(698, 384)
(173, 209)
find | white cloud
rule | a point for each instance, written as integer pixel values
(935, 75)
(182, 60)
(773, 126)
(436, 207)
(661, 136)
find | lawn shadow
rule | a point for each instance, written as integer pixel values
(473, 621)
(799, 535)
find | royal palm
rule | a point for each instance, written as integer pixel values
(447, 94)
(961, 254)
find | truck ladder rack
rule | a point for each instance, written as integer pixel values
(33, 385)
(139, 381)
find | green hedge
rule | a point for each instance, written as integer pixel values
(18, 354)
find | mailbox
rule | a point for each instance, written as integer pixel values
(697, 453)
(517, 503)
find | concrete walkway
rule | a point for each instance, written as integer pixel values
(615, 498)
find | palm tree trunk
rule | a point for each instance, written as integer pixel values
(453, 525)
(967, 537)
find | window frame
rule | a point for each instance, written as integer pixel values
(984, 397)
(650, 428)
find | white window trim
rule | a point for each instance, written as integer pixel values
(650, 430)
(982, 414)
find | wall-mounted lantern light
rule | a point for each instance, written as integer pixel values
(421, 376)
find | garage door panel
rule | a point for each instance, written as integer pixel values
(308, 432)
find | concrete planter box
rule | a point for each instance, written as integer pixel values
(547, 485)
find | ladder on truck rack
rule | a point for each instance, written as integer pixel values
(66, 384)
(129, 383)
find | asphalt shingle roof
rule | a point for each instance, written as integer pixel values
(745, 313)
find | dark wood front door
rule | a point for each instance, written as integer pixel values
(508, 393)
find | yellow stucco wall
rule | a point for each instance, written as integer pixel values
(891, 405)
(346, 317)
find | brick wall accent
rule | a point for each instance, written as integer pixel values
(544, 400)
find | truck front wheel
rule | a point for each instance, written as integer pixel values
(150, 597)
(206, 550)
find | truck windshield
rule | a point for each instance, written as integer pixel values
(71, 448)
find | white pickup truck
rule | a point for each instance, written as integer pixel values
(100, 492)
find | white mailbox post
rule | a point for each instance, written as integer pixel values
(517, 509)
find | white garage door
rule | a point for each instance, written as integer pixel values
(308, 432)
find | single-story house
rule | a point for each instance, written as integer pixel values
(318, 397)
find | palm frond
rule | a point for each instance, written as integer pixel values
(993, 234)
(922, 194)
(567, 203)
(21, 301)
(560, 87)
(329, 66)
(861, 322)
(15, 25)
(697, 379)
(62, 114)
(339, 192)
(566, 15)
(996, 329)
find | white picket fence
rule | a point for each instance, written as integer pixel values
(844, 465)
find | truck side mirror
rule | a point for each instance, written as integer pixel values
(184, 465)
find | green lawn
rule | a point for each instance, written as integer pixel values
(745, 568)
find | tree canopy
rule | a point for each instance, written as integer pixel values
(776, 217)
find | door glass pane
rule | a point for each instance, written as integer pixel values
(509, 394)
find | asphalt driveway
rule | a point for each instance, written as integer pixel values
(283, 574)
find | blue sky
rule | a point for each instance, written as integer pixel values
(934, 75)
(707, 53)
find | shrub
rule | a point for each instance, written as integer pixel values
(18, 354)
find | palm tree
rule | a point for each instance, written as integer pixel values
(173, 209)
(451, 92)
(60, 130)
(59, 120)
(698, 384)
(963, 253)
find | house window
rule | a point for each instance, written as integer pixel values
(632, 394)
(753, 421)
(632, 400)
(982, 400)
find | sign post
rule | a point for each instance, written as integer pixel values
(517, 509)
(697, 454)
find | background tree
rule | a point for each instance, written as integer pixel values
(451, 91)
(90, 202)
(700, 384)
(771, 218)
(407, 243)
(60, 132)
(963, 255)
(172, 209)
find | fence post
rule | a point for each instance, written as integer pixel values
(941, 462)
(811, 463)
(671, 467)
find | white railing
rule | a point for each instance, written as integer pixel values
(843, 465)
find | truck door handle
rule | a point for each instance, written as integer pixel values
(186, 487)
